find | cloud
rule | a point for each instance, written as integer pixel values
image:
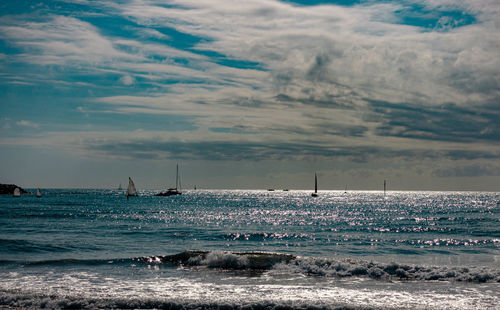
(447, 122)
(149, 33)
(127, 80)
(24, 123)
(323, 49)
(253, 150)
(61, 40)
(476, 170)
(351, 45)
(353, 51)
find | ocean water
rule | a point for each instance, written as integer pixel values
(238, 249)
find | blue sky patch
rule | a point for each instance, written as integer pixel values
(439, 20)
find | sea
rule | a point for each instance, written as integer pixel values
(250, 249)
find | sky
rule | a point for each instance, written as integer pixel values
(251, 94)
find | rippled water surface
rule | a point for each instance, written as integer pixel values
(95, 248)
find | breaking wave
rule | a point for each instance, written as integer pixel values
(227, 260)
(310, 266)
(388, 271)
(328, 267)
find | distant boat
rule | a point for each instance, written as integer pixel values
(345, 191)
(131, 191)
(120, 188)
(315, 194)
(17, 192)
(385, 186)
(38, 193)
(173, 191)
(270, 190)
(285, 189)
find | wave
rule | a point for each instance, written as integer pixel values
(288, 263)
(342, 268)
(227, 260)
(210, 259)
(20, 245)
(328, 267)
(15, 300)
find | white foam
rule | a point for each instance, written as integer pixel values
(89, 291)
(342, 268)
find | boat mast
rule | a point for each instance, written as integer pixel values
(385, 185)
(180, 185)
(177, 178)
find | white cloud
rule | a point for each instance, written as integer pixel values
(366, 51)
(24, 123)
(127, 80)
(62, 41)
(150, 33)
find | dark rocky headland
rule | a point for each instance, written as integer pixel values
(8, 189)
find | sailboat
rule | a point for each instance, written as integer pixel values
(38, 193)
(120, 188)
(315, 194)
(131, 191)
(173, 191)
(385, 186)
(17, 192)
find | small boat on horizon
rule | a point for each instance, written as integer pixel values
(17, 192)
(315, 194)
(173, 191)
(38, 193)
(131, 191)
(120, 188)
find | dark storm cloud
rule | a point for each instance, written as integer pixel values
(448, 122)
(224, 150)
(235, 151)
(325, 100)
(319, 70)
(345, 131)
(468, 171)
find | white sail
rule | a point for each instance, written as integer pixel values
(17, 192)
(131, 191)
(38, 193)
